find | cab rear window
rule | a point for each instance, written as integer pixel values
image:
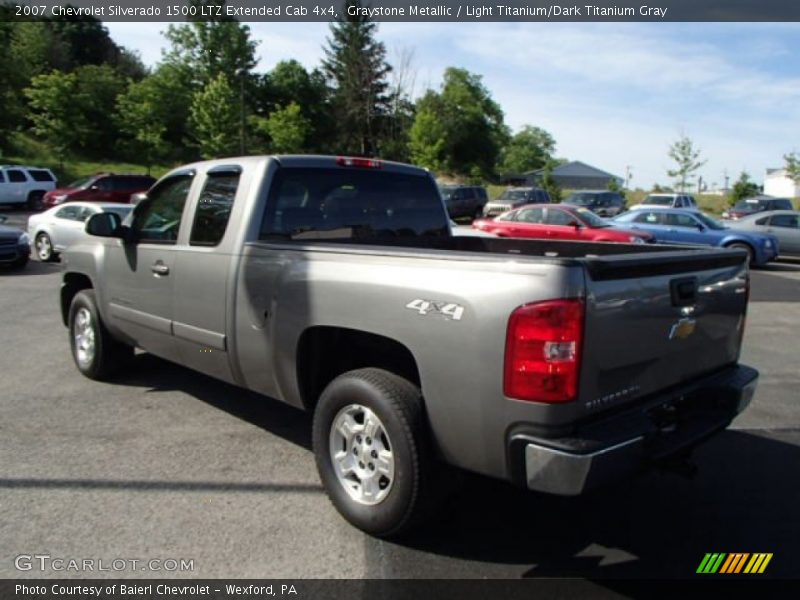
(347, 204)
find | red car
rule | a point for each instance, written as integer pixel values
(559, 222)
(103, 187)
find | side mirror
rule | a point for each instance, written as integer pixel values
(106, 224)
(701, 227)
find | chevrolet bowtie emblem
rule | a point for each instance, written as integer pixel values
(682, 329)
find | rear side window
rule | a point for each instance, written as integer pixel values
(16, 176)
(781, 205)
(2, 177)
(530, 215)
(214, 208)
(762, 221)
(158, 219)
(559, 217)
(679, 220)
(351, 203)
(69, 212)
(790, 221)
(650, 218)
(40, 175)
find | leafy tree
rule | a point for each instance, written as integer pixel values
(614, 186)
(459, 129)
(208, 46)
(141, 116)
(213, 118)
(528, 150)
(56, 111)
(288, 83)
(792, 166)
(743, 188)
(97, 89)
(287, 129)
(549, 183)
(356, 68)
(687, 160)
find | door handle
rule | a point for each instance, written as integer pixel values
(159, 268)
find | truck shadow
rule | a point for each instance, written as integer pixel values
(659, 525)
(744, 499)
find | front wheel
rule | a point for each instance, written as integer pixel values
(745, 247)
(95, 352)
(372, 452)
(44, 248)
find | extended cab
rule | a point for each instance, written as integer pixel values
(334, 284)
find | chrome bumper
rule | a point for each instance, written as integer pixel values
(563, 472)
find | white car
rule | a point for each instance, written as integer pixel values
(25, 186)
(53, 230)
(667, 201)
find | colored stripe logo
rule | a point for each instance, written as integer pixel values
(737, 562)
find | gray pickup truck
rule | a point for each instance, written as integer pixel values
(336, 285)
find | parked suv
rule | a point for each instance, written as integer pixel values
(603, 203)
(756, 204)
(464, 200)
(667, 201)
(102, 187)
(514, 198)
(25, 186)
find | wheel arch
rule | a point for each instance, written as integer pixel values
(325, 352)
(72, 283)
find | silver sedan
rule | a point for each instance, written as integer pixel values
(53, 230)
(783, 224)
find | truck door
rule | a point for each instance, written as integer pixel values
(202, 271)
(140, 278)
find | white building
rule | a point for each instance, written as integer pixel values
(777, 183)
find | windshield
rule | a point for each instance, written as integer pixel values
(446, 192)
(580, 199)
(709, 222)
(659, 200)
(513, 195)
(80, 184)
(122, 211)
(748, 204)
(591, 219)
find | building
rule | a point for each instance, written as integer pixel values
(778, 183)
(576, 175)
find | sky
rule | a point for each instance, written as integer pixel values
(613, 95)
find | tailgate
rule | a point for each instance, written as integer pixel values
(659, 322)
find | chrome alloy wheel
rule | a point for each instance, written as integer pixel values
(84, 336)
(44, 248)
(361, 454)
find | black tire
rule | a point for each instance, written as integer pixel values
(20, 263)
(35, 201)
(398, 405)
(44, 248)
(743, 246)
(109, 355)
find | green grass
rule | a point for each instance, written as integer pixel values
(26, 150)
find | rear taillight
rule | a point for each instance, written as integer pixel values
(543, 351)
(361, 163)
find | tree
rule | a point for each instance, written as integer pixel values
(687, 159)
(213, 118)
(97, 89)
(528, 150)
(614, 186)
(792, 166)
(459, 129)
(287, 129)
(288, 83)
(56, 111)
(549, 183)
(356, 68)
(743, 188)
(141, 115)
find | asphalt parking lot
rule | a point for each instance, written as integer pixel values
(166, 463)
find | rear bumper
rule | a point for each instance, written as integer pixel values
(613, 447)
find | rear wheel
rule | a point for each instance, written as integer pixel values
(44, 248)
(372, 450)
(35, 201)
(745, 247)
(95, 351)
